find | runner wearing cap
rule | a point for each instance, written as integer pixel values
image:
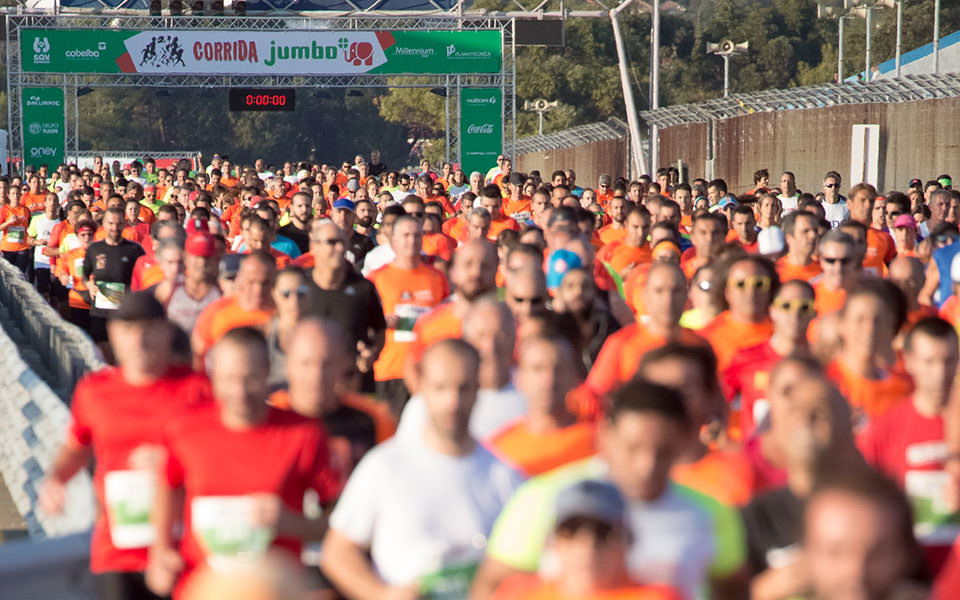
(344, 215)
(118, 419)
(185, 298)
(108, 267)
(590, 540)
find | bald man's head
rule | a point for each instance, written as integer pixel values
(489, 327)
(473, 271)
(907, 272)
(316, 360)
(526, 292)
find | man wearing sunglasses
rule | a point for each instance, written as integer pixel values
(745, 380)
(841, 271)
(834, 205)
(747, 287)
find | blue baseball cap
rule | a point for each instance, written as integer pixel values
(727, 201)
(561, 262)
(345, 204)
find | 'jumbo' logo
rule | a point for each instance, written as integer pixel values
(41, 50)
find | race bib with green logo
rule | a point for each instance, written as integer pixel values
(935, 524)
(109, 295)
(407, 315)
(450, 583)
(225, 529)
(129, 496)
(16, 235)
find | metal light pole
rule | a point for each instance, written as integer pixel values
(936, 36)
(633, 123)
(654, 84)
(899, 35)
(840, 51)
(726, 75)
(540, 106)
(869, 28)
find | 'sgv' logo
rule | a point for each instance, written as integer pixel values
(41, 50)
(41, 45)
(486, 128)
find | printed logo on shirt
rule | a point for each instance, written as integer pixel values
(926, 453)
(349, 291)
(405, 296)
(101, 262)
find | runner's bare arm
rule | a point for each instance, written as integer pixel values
(930, 282)
(67, 463)
(347, 566)
(164, 563)
(489, 576)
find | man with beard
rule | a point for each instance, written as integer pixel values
(357, 244)
(298, 229)
(366, 217)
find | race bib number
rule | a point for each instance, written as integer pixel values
(450, 583)
(16, 235)
(407, 315)
(224, 528)
(129, 496)
(109, 295)
(934, 522)
(521, 217)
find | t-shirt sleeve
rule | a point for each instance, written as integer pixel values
(173, 470)
(80, 432)
(88, 263)
(375, 319)
(316, 466)
(729, 540)
(521, 530)
(355, 515)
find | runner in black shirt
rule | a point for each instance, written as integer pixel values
(357, 244)
(109, 268)
(339, 293)
(298, 229)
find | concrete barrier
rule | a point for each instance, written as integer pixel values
(34, 418)
(46, 569)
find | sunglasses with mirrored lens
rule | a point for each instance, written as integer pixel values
(800, 305)
(832, 260)
(754, 282)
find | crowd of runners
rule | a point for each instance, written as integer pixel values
(352, 381)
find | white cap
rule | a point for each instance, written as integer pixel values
(955, 269)
(770, 240)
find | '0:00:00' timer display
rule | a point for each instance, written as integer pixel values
(262, 99)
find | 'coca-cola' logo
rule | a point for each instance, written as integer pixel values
(484, 128)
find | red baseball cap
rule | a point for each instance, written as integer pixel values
(202, 244)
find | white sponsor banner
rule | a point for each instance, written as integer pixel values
(255, 53)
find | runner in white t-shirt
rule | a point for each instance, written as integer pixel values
(834, 204)
(421, 506)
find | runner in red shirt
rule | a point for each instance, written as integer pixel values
(907, 442)
(119, 415)
(242, 467)
(746, 379)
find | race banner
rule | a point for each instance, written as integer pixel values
(189, 52)
(481, 128)
(43, 126)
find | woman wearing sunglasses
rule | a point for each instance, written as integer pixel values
(746, 286)
(745, 380)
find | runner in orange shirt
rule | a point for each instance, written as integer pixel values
(456, 227)
(251, 304)
(747, 286)
(841, 271)
(491, 200)
(664, 296)
(692, 371)
(872, 314)
(633, 250)
(743, 224)
(617, 229)
(517, 204)
(70, 272)
(800, 232)
(435, 242)
(871, 262)
(34, 199)
(880, 246)
(549, 435)
(14, 220)
(708, 235)
(408, 290)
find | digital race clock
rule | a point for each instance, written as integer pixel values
(262, 99)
